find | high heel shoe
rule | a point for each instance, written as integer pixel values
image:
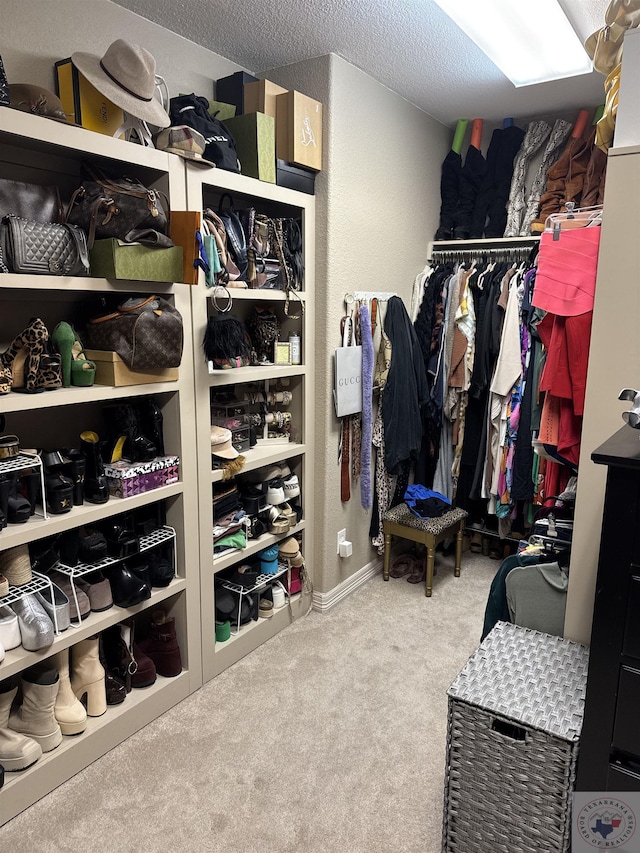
(87, 676)
(21, 361)
(77, 369)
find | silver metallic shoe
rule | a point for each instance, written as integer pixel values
(9, 629)
(36, 629)
(60, 604)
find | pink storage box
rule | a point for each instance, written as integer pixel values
(126, 479)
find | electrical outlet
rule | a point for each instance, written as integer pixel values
(342, 536)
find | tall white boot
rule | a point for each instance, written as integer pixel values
(69, 711)
(87, 676)
(35, 717)
(16, 751)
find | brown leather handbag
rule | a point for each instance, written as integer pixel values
(145, 332)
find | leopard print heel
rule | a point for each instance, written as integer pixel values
(22, 358)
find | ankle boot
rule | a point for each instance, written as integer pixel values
(126, 440)
(161, 645)
(18, 508)
(69, 711)
(35, 717)
(31, 482)
(116, 692)
(96, 490)
(17, 752)
(88, 676)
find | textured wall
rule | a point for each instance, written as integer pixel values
(36, 33)
(377, 209)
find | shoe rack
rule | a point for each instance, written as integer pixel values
(204, 189)
(40, 150)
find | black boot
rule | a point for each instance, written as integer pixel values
(76, 471)
(4, 501)
(125, 439)
(96, 490)
(150, 421)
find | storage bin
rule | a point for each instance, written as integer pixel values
(230, 89)
(295, 177)
(111, 370)
(82, 101)
(299, 130)
(514, 721)
(255, 136)
(126, 479)
(134, 262)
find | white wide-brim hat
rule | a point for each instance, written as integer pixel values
(126, 75)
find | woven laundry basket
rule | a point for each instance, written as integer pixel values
(514, 721)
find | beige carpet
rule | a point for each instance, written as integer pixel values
(330, 737)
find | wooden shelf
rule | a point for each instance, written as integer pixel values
(259, 456)
(226, 560)
(16, 402)
(63, 283)
(257, 294)
(243, 375)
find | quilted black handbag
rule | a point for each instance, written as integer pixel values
(42, 248)
(145, 332)
(119, 207)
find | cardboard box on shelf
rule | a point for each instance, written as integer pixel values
(255, 136)
(299, 130)
(111, 370)
(131, 261)
(260, 97)
(84, 102)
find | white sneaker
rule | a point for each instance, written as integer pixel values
(291, 487)
(275, 493)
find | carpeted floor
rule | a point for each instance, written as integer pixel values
(330, 737)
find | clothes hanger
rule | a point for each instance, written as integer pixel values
(573, 217)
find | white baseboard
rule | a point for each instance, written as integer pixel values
(323, 601)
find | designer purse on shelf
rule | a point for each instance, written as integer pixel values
(145, 332)
(43, 248)
(119, 207)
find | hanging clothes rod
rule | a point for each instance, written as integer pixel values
(480, 246)
(366, 295)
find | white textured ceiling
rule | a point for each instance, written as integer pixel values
(410, 46)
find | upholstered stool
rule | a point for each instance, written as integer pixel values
(401, 522)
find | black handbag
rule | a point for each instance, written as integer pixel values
(120, 207)
(43, 248)
(146, 333)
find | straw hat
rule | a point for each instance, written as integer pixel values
(126, 75)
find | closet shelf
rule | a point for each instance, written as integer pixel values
(242, 375)
(265, 455)
(257, 294)
(102, 734)
(230, 558)
(487, 242)
(74, 396)
(253, 633)
(33, 133)
(17, 659)
(22, 281)
(39, 528)
(221, 181)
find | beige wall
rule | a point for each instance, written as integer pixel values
(378, 205)
(37, 33)
(614, 363)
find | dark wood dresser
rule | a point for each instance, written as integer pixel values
(609, 758)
